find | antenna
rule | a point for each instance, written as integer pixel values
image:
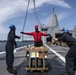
(53, 10)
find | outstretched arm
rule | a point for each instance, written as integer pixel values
(55, 39)
(43, 34)
(27, 33)
(17, 36)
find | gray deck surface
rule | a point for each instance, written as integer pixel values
(56, 65)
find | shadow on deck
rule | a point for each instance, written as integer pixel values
(55, 68)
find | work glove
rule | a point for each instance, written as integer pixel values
(19, 37)
(16, 46)
(55, 39)
(22, 32)
(48, 34)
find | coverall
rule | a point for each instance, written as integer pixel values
(71, 55)
(10, 48)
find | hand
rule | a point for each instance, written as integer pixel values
(15, 46)
(55, 39)
(48, 34)
(22, 32)
(19, 37)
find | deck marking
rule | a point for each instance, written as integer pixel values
(15, 50)
(2, 52)
(60, 56)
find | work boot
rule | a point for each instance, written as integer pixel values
(67, 74)
(75, 69)
(11, 70)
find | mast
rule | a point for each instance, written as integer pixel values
(53, 10)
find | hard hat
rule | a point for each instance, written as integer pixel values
(12, 27)
(36, 26)
(65, 31)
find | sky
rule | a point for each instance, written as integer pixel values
(13, 12)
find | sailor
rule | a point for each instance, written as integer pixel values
(75, 64)
(71, 55)
(37, 36)
(10, 48)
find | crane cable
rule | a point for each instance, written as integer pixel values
(37, 19)
(25, 19)
(36, 16)
(26, 16)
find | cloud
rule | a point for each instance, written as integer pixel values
(62, 16)
(12, 7)
(9, 8)
(43, 13)
(61, 3)
(3, 30)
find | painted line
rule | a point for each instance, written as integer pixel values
(60, 56)
(23, 47)
(2, 52)
(16, 49)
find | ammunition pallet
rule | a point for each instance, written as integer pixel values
(36, 58)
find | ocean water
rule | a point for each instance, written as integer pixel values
(2, 44)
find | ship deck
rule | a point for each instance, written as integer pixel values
(56, 62)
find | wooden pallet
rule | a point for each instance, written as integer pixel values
(37, 48)
(36, 69)
(40, 50)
